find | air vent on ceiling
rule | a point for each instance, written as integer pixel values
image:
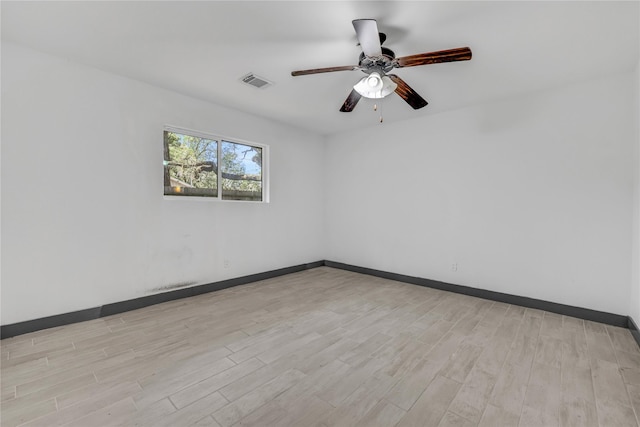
(256, 81)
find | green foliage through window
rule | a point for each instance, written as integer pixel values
(191, 168)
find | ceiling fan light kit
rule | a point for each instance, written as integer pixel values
(375, 86)
(376, 61)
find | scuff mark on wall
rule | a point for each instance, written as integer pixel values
(170, 287)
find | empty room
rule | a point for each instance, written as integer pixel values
(307, 213)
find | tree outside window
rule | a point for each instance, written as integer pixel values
(191, 167)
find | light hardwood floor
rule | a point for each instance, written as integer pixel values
(324, 347)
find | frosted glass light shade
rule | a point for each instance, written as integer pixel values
(375, 86)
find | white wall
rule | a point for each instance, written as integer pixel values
(634, 306)
(530, 196)
(84, 222)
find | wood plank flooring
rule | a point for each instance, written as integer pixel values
(323, 347)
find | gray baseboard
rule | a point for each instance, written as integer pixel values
(7, 331)
(567, 310)
(20, 328)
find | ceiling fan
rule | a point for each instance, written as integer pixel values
(376, 61)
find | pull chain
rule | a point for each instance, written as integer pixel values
(375, 108)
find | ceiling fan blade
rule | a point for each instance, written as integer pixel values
(450, 55)
(350, 102)
(368, 36)
(324, 70)
(408, 94)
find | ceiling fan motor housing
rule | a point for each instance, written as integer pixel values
(382, 64)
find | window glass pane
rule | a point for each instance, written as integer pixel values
(241, 172)
(190, 165)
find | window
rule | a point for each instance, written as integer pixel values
(202, 165)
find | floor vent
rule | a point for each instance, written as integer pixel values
(256, 81)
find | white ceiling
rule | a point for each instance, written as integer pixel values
(202, 49)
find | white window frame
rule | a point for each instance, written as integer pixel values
(219, 139)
